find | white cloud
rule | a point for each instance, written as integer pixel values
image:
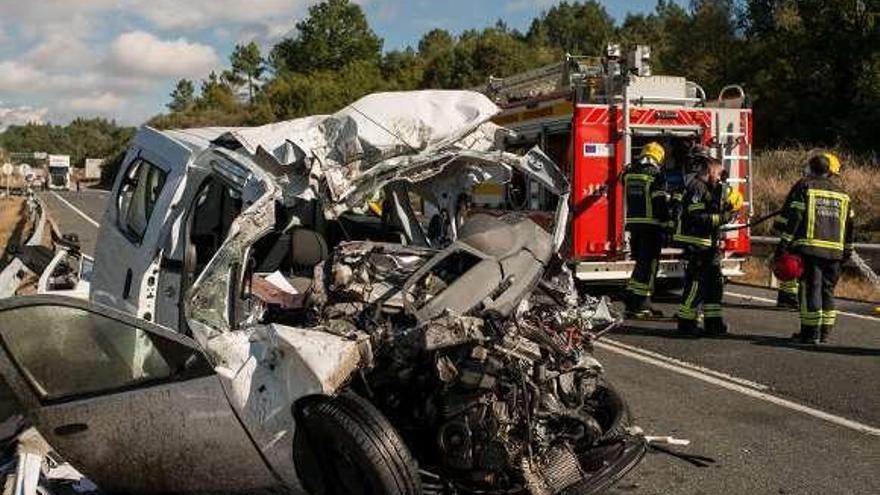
(519, 5)
(197, 14)
(17, 115)
(62, 58)
(61, 50)
(96, 103)
(143, 54)
(44, 11)
(265, 34)
(16, 77)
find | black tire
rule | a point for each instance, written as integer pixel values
(344, 446)
(613, 414)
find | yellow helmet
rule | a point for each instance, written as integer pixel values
(654, 151)
(833, 163)
(735, 198)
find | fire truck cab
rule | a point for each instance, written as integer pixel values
(593, 115)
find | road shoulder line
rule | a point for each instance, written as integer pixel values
(773, 301)
(737, 387)
(76, 210)
(684, 364)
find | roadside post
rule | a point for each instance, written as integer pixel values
(7, 171)
(24, 171)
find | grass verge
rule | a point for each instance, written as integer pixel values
(775, 171)
(12, 218)
(852, 285)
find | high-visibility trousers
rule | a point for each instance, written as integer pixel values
(703, 286)
(646, 246)
(789, 287)
(816, 294)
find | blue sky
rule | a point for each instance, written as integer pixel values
(119, 58)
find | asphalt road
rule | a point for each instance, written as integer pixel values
(78, 213)
(771, 417)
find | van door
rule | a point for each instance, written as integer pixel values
(136, 407)
(128, 248)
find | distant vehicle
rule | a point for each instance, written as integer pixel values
(592, 116)
(59, 172)
(271, 310)
(93, 169)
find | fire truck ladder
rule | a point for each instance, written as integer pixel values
(541, 81)
(735, 147)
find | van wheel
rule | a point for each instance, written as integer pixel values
(613, 413)
(344, 446)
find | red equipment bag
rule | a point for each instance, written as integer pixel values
(788, 266)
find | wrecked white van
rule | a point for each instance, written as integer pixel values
(311, 305)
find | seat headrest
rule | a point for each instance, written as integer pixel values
(307, 247)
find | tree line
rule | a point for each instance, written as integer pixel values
(81, 139)
(811, 67)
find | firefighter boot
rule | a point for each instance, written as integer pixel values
(716, 326)
(825, 332)
(786, 300)
(636, 306)
(653, 310)
(688, 328)
(807, 335)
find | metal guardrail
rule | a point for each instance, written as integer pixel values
(866, 257)
(10, 274)
(862, 247)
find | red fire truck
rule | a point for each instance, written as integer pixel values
(593, 115)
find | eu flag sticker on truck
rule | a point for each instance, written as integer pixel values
(598, 149)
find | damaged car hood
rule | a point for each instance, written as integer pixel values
(425, 138)
(382, 138)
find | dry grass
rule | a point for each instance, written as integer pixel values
(12, 212)
(851, 285)
(776, 171)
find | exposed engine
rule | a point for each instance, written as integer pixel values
(488, 403)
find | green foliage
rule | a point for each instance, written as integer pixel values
(248, 66)
(81, 139)
(577, 28)
(403, 69)
(335, 34)
(183, 97)
(704, 46)
(661, 30)
(470, 60)
(294, 95)
(815, 71)
(811, 67)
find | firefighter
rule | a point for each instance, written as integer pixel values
(703, 211)
(817, 224)
(647, 216)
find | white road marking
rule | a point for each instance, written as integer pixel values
(742, 389)
(687, 365)
(76, 210)
(773, 301)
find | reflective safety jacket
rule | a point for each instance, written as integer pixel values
(701, 217)
(817, 219)
(647, 202)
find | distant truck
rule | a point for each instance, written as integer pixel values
(92, 170)
(59, 172)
